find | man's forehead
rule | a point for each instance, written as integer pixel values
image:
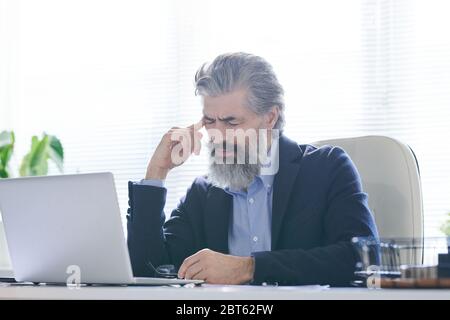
(221, 115)
(228, 105)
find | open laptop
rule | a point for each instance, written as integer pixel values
(68, 226)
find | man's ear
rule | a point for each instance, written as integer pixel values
(272, 117)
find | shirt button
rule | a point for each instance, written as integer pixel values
(251, 200)
(255, 238)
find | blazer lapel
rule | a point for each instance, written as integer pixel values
(289, 155)
(217, 218)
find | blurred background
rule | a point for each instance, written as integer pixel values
(108, 78)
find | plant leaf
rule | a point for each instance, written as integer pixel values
(7, 140)
(32, 163)
(5, 155)
(3, 173)
(36, 161)
(40, 168)
(56, 152)
(40, 153)
(25, 165)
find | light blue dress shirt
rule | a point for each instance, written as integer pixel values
(250, 224)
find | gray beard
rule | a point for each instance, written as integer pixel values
(233, 176)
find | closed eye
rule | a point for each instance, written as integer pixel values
(207, 120)
(231, 121)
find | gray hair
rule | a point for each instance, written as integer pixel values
(232, 71)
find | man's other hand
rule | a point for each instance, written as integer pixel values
(217, 268)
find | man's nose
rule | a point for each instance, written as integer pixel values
(217, 134)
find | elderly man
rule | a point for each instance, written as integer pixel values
(286, 217)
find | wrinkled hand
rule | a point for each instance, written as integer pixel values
(217, 268)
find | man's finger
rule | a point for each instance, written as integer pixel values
(183, 136)
(199, 125)
(202, 275)
(196, 126)
(193, 270)
(196, 136)
(187, 263)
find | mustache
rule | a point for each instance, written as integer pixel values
(224, 146)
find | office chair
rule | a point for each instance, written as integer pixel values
(390, 176)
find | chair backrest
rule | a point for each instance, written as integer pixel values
(390, 176)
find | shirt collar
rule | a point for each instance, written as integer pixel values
(265, 181)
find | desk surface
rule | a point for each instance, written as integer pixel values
(214, 292)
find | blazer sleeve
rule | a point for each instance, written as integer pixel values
(150, 238)
(347, 215)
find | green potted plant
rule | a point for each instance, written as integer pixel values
(35, 162)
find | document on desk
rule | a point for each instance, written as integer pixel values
(308, 287)
(253, 288)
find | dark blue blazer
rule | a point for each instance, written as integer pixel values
(318, 206)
